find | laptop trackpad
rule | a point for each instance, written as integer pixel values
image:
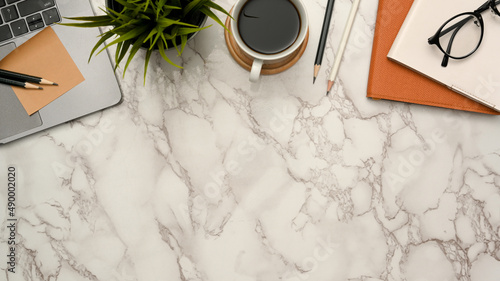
(13, 116)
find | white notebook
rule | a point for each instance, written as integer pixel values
(476, 77)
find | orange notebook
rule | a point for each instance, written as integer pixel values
(392, 81)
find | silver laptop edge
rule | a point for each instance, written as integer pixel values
(100, 89)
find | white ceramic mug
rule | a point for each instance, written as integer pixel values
(260, 59)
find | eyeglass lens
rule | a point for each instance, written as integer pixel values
(461, 35)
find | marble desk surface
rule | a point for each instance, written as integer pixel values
(201, 175)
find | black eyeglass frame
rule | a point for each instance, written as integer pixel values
(434, 40)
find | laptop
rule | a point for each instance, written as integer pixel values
(98, 91)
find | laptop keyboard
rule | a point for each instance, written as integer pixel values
(19, 17)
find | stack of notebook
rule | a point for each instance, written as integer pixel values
(392, 80)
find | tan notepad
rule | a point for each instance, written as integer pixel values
(45, 56)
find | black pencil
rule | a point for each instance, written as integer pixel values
(322, 38)
(24, 77)
(19, 84)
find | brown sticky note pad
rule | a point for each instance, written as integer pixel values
(44, 56)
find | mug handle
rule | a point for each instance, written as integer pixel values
(255, 71)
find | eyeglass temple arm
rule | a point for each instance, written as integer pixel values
(479, 10)
(457, 25)
(446, 58)
(485, 6)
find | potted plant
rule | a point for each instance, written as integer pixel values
(149, 24)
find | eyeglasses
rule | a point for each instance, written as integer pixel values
(464, 32)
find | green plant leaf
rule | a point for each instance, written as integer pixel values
(86, 24)
(142, 10)
(193, 5)
(153, 32)
(173, 32)
(147, 4)
(127, 4)
(168, 36)
(189, 30)
(104, 37)
(134, 33)
(117, 53)
(91, 18)
(122, 52)
(159, 23)
(171, 7)
(213, 16)
(125, 28)
(167, 22)
(161, 50)
(176, 46)
(146, 63)
(135, 47)
(213, 5)
(184, 39)
(176, 3)
(158, 36)
(97, 21)
(159, 8)
(168, 10)
(164, 40)
(120, 18)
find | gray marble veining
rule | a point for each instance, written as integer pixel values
(201, 175)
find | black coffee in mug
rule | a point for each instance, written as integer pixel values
(269, 26)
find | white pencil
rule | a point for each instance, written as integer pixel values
(343, 43)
